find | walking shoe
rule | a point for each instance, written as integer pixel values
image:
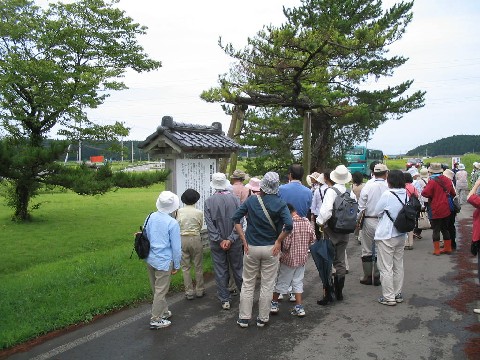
(243, 323)
(399, 298)
(158, 324)
(167, 315)
(292, 297)
(226, 305)
(418, 236)
(189, 297)
(274, 307)
(298, 310)
(280, 297)
(384, 301)
(234, 292)
(261, 323)
(200, 295)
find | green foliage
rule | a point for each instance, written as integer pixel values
(452, 145)
(72, 262)
(318, 63)
(55, 62)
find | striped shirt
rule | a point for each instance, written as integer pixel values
(295, 246)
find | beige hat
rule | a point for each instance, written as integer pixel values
(219, 181)
(423, 172)
(476, 165)
(379, 168)
(315, 176)
(435, 168)
(167, 202)
(253, 184)
(341, 175)
(449, 174)
(239, 174)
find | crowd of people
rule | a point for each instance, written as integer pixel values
(265, 230)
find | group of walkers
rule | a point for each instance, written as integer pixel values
(264, 230)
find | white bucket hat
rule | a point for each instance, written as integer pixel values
(315, 176)
(219, 182)
(413, 171)
(167, 202)
(461, 166)
(341, 175)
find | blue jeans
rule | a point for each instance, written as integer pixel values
(221, 259)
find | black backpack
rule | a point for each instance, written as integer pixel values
(141, 244)
(407, 215)
(344, 213)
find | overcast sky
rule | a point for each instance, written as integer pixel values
(442, 43)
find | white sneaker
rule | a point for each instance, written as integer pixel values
(167, 315)
(292, 297)
(280, 296)
(158, 324)
(226, 305)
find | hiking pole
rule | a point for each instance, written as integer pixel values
(374, 260)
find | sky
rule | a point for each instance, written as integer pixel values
(441, 42)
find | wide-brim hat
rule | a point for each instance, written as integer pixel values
(239, 174)
(449, 174)
(341, 175)
(190, 196)
(435, 168)
(167, 202)
(219, 181)
(423, 172)
(315, 176)
(476, 165)
(270, 183)
(253, 184)
(461, 166)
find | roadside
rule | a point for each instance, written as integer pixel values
(435, 321)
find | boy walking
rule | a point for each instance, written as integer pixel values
(292, 262)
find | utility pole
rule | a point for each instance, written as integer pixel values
(121, 151)
(132, 152)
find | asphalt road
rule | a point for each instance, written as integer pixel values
(435, 321)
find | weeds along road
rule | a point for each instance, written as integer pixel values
(435, 321)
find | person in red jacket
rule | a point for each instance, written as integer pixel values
(437, 190)
(474, 199)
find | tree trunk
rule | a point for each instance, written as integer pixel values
(22, 198)
(322, 142)
(307, 144)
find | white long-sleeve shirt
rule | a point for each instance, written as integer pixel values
(385, 229)
(325, 212)
(370, 194)
(317, 199)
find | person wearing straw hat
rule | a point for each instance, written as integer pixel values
(163, 260)
(269, 223)
(225, 245)
(437, 190)
(337, 179)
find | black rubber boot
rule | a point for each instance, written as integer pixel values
(367, 270)
(338, 284)
(327, 297)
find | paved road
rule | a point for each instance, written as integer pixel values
(435, 321)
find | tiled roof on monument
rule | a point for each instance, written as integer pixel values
(190, 138)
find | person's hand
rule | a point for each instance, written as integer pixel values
(474, 248)
(245, 248)
(174, 271)
(276, 248)
(225, 244)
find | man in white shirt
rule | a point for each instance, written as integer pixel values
(369, 196)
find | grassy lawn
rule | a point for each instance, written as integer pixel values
(72, 261)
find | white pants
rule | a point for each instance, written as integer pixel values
(390, 263)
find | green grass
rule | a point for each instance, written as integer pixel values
(72, 261)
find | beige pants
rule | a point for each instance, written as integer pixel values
(259, 258)
(160, 283)
(192, 253)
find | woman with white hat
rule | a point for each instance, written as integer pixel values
(163, 260)
(317, 199)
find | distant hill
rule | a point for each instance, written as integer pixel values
(452, 145)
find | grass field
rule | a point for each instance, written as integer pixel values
(72, 261)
